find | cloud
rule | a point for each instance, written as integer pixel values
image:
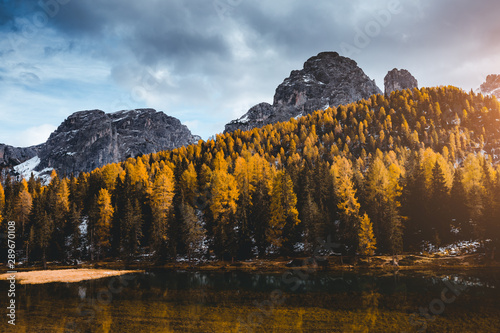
(207, 62)
(35, 135)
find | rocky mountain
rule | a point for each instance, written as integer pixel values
(327, 79)
(90, 139)
(491, 86)
(11, 156)
(399, 79)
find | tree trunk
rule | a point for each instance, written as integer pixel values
(44, 259)
(27, 252)
(91, 246)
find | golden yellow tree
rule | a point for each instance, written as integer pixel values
(223, 196)
(2, 201)
(103, 224)
(62, 195)
(162, 195)
(188, 184)
(283, 211)
(366, 238)
(347, 202)
(23, 205)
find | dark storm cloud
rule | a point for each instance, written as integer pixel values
(213, 59)
(192, 36)
(184, 31)
(174, 32)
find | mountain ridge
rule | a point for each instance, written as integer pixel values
(89, 139)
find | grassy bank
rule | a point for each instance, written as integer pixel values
(277, 265)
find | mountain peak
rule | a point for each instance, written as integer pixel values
(399, 79)
(89, 139)
(326, 79)
(491, 86)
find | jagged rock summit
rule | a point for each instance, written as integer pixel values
(491, 86)
(327, 79)
(399, 79)
(90, 139)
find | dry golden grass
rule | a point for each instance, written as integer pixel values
(64, 275)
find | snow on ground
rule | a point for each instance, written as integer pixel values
(299, 115)
(27, 168)
(244, 119)
(83, 226)
(459, 248)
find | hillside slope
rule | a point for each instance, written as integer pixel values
(410, 171)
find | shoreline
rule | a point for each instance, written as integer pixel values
(383, 264)
(63, 275)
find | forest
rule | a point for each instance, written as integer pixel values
(387, 175)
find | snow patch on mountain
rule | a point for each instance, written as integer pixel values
(27, 168)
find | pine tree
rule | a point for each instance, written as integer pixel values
(43, 227)
(22, 211)
(472, 179)
(259, 208)
(193, 228)
(459, 213)
(243, 175)
(415, 209)
(73, 232)
(131, 228)
(439, 206)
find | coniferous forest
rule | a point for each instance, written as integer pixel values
(386, 175)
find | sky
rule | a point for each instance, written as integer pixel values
(207, 62)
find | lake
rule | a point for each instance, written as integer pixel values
(295, 301)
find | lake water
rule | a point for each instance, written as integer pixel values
(296, 301)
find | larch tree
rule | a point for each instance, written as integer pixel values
(366, 238)
(2, 202)
(347, 202)
(392, 209)
(188, 184)
(377, 181)
(243, 175)
(222, 205)
(22, 207)
(103, 224)
(162, 195)
(283, 212)
(259, 213)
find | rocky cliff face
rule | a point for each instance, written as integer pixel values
(11, 156)
(90, 139)
(491, 86)
(399, 79)
(327, 79)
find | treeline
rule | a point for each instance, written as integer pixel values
(383, 175)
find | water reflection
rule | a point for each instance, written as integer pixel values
(163, 301)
